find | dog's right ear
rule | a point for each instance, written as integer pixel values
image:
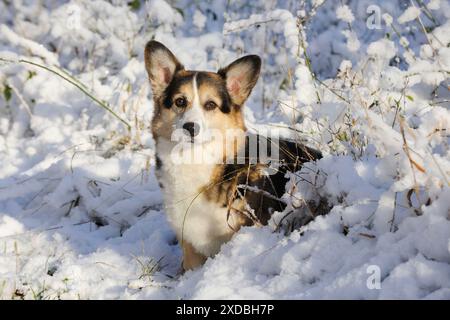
(161, 66)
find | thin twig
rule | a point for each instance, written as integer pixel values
(76, 83)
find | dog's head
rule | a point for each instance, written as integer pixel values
(196, 102)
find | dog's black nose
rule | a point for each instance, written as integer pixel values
(192, 127)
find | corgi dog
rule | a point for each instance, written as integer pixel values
(211, 179)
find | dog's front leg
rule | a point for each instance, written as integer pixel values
(191, 258)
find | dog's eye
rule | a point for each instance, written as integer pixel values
(210, 105)
(181, 102)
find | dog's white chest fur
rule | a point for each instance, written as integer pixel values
(196, 220)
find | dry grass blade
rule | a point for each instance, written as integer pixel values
(75, 83)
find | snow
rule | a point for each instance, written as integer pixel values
(199, 19)
(387, 18)
(434, 4)
(382, 49)
(409, 15)
(353, 43)
(81, 212)
(345, 14)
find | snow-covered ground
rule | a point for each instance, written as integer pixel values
(81, 213)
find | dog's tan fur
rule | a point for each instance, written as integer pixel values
(191, 258)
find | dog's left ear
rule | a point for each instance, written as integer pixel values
(240, 77)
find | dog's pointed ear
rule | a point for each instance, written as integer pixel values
(161, 65)
(240, 77)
